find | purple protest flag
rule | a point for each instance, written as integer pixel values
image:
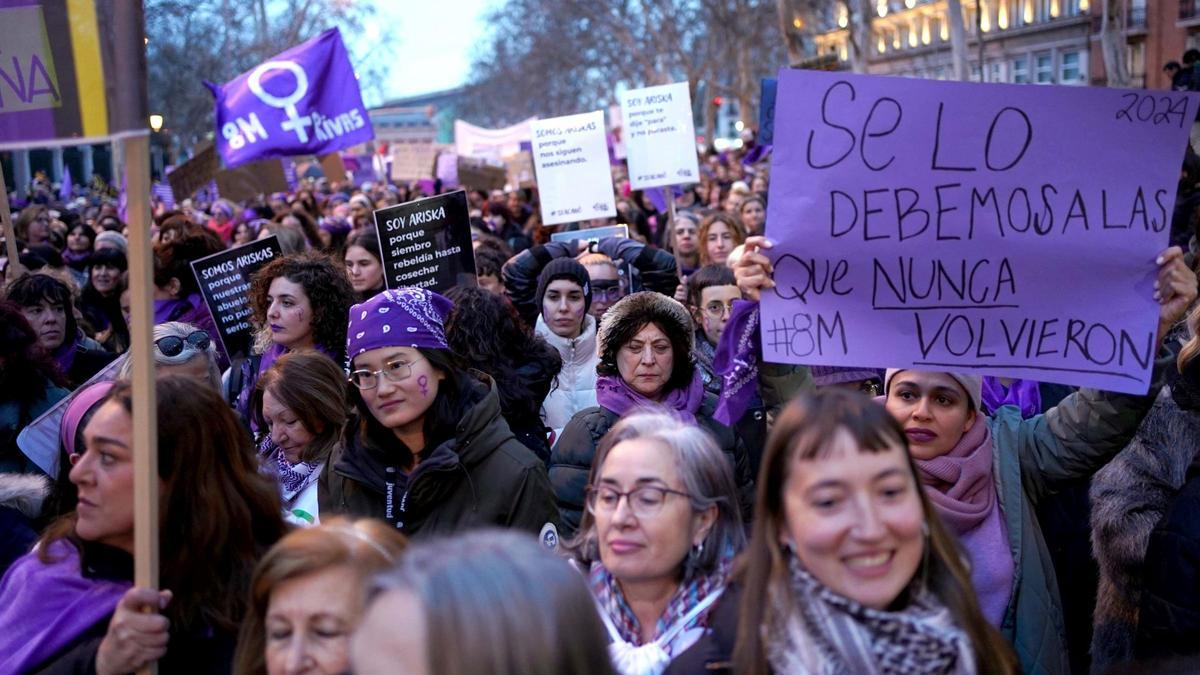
(976, 228)
(64, 190)
(304, 101)
(163, 192)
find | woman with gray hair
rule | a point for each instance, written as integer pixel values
(182, 349)
(491, 602)
(661, 529)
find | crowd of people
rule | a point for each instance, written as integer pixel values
(579, 465)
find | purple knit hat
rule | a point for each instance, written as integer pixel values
(400, 317)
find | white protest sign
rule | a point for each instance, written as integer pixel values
(495, 144)
(660, 137)
(573, 176)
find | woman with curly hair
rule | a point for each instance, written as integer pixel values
(484, 330)
(298, 301)
(30, 383)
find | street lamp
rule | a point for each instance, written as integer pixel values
(156, 123)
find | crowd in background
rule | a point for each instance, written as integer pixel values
(579, 465)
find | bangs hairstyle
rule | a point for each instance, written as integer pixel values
(441, 418)
(707, 277)
(314, 389)
(329, 292)
(805, 431)
(364, 546)
(37, 287)
(706, 477)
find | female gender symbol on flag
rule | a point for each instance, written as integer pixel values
(304, 101)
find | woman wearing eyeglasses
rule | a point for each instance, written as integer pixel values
(660, 531)
(300, 402)
(645, 344)
(429, 450)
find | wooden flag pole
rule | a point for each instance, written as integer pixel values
(141, 352)
(13, 268)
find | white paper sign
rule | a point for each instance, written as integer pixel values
(659, 135)
(573, 176)
(494, 144)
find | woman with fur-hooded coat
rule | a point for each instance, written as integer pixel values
(21, 499)
(1130, 497)
(645, 343)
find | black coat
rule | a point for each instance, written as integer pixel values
(482, 477)
(713, 652)
(571, 459)
(1169, 619)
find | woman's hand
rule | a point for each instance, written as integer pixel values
(1175, 289)
(681, 291)
(753, 270)
(137, 633)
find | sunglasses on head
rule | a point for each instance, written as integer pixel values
(173, 345)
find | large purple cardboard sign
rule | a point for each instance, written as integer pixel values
(305, 101)
(994, 229)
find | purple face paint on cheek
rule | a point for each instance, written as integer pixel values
(423, 383)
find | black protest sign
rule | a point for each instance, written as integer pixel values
(427, 243)
(195, 173)
(224, 280)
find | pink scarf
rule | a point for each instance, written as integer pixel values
(960, 483)
(962, 487)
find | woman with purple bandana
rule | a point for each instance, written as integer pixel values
(299, 301)
(429, 450)
(986, 474)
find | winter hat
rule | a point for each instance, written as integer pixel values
(569, 269)
(83, 401)
(972, 384)
(823, 376)
(400, 317)
(114, 239)
(630, 314)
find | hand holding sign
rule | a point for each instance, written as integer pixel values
(754, 270)
(972, 228)
(1175, 289)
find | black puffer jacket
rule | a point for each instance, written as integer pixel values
(571, 459)
(654, 270)
(482, 477)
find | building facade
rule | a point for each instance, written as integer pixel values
(1023, 41)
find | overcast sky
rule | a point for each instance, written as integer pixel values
(435, 41)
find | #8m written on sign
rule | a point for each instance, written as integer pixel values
(970, 227)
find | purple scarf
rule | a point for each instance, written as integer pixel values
(171, 310)
(1024, 394)
(962, 487)
(736, 362)
(612, 393)
(46, 606)
(65, 354)
(76, 259)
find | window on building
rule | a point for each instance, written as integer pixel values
(1020, 70)
(1070, 68)
(1043, 68)
(974, 72)
(996, 72)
